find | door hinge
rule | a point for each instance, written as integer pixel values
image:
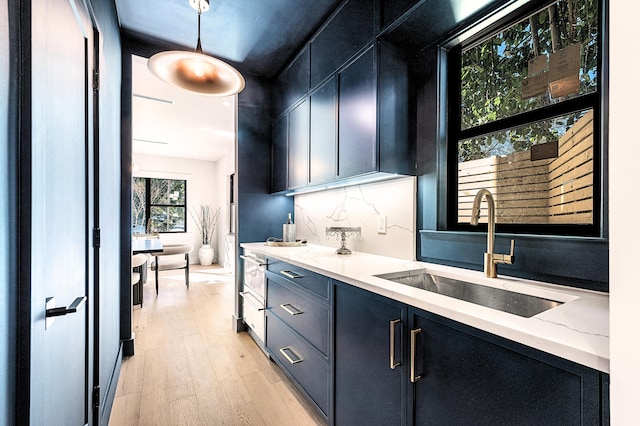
(96, 80)
(96, 237)
(96, 396)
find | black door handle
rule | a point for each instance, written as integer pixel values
(63, 310)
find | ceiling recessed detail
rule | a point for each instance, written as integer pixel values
(152, 98)
(148, 141)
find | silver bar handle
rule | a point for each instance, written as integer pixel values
(414, 333)
(291, 310)
(291, 274)
(392, 344)
(252, 300)
(253, 260)
(284, 350)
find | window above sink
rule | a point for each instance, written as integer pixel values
(524, 101)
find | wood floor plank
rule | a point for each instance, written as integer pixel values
(191, 368)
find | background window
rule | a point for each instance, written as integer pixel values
(525, 102)
(159, 205)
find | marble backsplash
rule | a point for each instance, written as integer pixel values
(362, 205)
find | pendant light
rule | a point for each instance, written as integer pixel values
(195, 71)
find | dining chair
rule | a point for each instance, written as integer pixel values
(172, 263)
(137, 261)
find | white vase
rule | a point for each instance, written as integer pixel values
(205, 254)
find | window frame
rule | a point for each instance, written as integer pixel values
(148, 205)
(450, 87)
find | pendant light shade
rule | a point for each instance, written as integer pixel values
(195, 71)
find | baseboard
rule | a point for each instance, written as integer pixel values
(237, 324)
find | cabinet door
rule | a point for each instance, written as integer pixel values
(300, 310)
(357, 151)
(279, 155)
(471, 377)
(299, 145)
(322, 158)
(292, 83)
(343, 35)
(367, 390)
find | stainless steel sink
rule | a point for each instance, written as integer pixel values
(512, 302)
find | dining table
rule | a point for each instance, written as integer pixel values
(149, 245)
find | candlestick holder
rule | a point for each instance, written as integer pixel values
(343, 232)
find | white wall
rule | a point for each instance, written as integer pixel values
(202, 188)
(224, 252)
(361, 205)
(624, 226)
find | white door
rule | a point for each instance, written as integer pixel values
(60, 93)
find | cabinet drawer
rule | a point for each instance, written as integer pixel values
(304, 313)
(319, 284)
(304, 363)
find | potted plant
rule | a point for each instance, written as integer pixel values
(206, 220)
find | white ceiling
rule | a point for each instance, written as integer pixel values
(174, 123)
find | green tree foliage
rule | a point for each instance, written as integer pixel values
(493, 70)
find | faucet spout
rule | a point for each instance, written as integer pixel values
(491, 259)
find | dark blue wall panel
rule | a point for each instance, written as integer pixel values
(260, 215)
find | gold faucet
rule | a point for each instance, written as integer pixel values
(491, 259)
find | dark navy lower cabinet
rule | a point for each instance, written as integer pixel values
(369, 341)
(298, 322)
(364, 359)
(449, 373)
(304, 364)
(464, 376)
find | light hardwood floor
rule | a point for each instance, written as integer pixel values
(191, 368)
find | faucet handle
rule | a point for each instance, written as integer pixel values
(505, 258)
(510, 258)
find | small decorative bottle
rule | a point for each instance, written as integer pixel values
(289, 231)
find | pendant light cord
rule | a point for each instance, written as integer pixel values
(199, 45)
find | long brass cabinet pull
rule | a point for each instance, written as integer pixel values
(290, 309)
(414, 333)
(291, 274)
(287, 349)
(392, 344)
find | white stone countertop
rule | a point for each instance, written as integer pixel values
(577, 330)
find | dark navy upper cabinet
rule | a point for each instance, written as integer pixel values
(346, 32)
(357, 153)
(396, 147)
(279, 154)
(323, 137)
(293, 83)
(298, 161)
(369, 340)
(466, 376)
(393, 9)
